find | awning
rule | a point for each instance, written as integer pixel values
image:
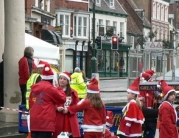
(50, 37)
(59, 39)
(42, 50)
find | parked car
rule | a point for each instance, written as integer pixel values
(168, 75)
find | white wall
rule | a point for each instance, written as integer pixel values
(111, 19)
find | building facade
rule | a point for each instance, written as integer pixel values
(159, 19)
(73, 24)
(110, 20)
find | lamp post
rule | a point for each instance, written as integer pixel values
(93, 59)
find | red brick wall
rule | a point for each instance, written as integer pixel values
(28, 4)
(71, 5)
(52, 6)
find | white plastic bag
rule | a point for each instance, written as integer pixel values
(28, 122)
(63, 135)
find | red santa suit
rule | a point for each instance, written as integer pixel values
(94, 119)
(66, 122)
(167, 115)
(132, 120)
(148, 96)
(109, 123)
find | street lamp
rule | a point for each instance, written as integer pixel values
(93, 59)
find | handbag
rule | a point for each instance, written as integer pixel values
(63, 135)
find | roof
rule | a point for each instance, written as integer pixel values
(132, 27)
(134, 6)
(105, 7)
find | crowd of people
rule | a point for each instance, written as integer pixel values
(140, 117)
(53, 106)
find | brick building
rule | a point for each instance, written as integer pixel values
(157, 13)
(40, 20)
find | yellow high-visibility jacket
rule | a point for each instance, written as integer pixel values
(32, 80)
(78, 84)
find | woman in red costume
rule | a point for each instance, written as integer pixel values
(66, 122)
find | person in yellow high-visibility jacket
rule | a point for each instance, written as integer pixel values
(78, 84)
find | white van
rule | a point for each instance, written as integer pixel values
(43, 51)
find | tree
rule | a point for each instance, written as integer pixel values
(152, 34)
(168, 44)
(110, 31)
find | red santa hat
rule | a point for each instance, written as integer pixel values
(134, 87)
(166, 89)
(150, 71)
(47, 73)
(41, 64)
(109, 119)
(145, 77)
(66, 75)
(93, 86)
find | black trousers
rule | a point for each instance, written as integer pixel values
(23, 92)
(121, 136)
(1, 96)
(35, 134)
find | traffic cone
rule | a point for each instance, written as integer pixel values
(157, 129)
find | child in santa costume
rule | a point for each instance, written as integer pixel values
(132, 120)
(94, 112)
(167, 113)
(109, 124)
(66, 122)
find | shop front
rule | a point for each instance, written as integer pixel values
(113, 63)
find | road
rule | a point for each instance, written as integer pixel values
(113, 92)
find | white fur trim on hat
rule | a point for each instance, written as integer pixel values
(50, 77)
(47, 68)
(131, 91)
(40, 65)
(158, 86)
(66, 76)
(172, 90)
(108, 124)
(91, 91)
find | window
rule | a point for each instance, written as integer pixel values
(166, 14)
(98, 2)
(162, 13)
(115, 27)
(80, 26)
(47, 5)
(100, 22)
(154, 11)
(101, 28)
(121, 29)
(158, 11)
(65, 24)
(41, 4)
(111, 3)
(107, 23)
